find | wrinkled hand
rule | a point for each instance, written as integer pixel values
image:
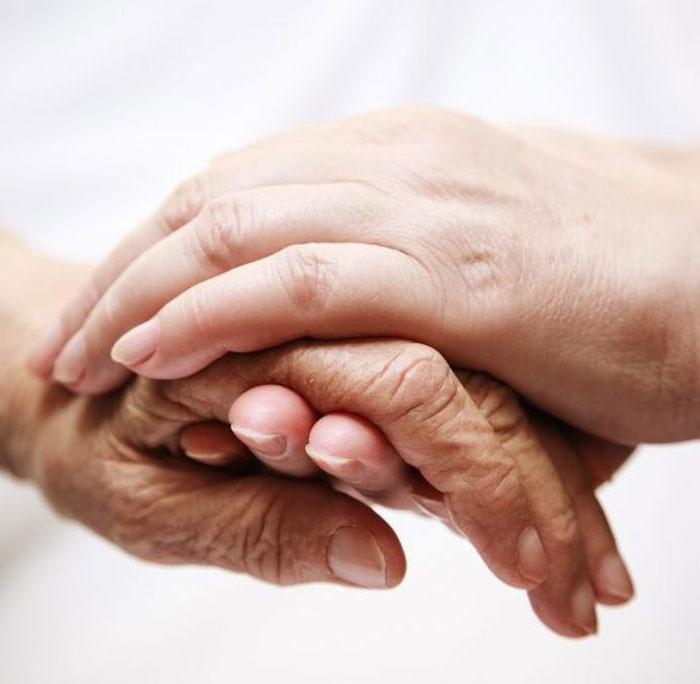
(557, 263)
(510, 482)
(113, 463)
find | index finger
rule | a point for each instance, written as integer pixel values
(247, 168)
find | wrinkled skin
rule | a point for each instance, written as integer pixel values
(114, 463)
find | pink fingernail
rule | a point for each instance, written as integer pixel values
(614, 579)
(72, 361)
(347, 469)
(533, 559)
(265, 444)
(212, 458)
(138, 345)
(583, 608)
(354, 556)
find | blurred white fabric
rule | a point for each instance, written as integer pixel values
(105, 105)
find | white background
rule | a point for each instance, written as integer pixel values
(105, 105)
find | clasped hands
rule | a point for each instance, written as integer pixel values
(350, 299)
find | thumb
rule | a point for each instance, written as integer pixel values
(280, 531)
(168, 511)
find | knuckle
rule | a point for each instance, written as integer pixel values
(307, 276)
(416, 111)
(196, 308)
(486, 501)
(563, 531)
(497, 403)
(220, 233)
(184, 202)
(112, 310)
(151, 415)
(379, 129)
(391, 126)
(418, 382)
(498, 490)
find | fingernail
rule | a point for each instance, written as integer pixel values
(533, 559)
(347, 469)
(41, 356)
(614, 579)
(432, 507)
(354, 556)
(268, 445)
(212, 458)
(583, 608)
(138, 345)
(70, 365)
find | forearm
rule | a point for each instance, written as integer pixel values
(682, 160)
(32, 288)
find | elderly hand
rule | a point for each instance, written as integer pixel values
(560, 264)
(513, 485)
(113, 464)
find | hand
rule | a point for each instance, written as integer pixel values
(113, 462)
(543, 454)
(557, 263)
(355, 451)
(497, 476)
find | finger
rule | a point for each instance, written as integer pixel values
(349, 448)
(274, 423)
(408, 391)
(232, 230)
(601, 458)
(289, 532)
(279, 530)
(283, 431)
(277, 160)
(212, 443)
(431, 502)
(313, 290)
(564, 601)
(478, 478)
(49, 345)
(611, 580)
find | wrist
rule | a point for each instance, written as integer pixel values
(32, 288)
(16, 398)
(670, 211)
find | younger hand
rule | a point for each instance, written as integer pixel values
(561, 264)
